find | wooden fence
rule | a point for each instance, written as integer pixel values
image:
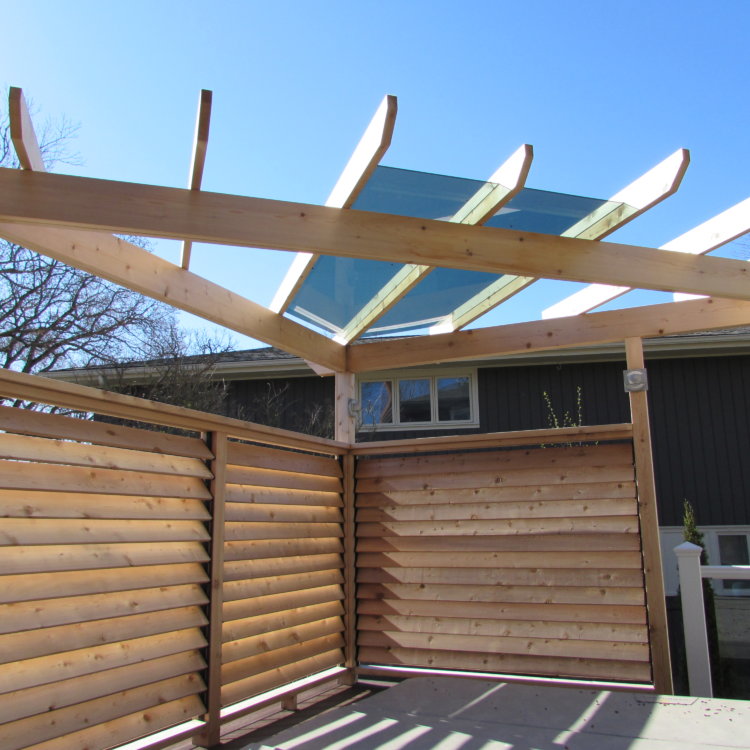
(523, 561)
(149, 578)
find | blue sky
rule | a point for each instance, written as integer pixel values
(602, 90)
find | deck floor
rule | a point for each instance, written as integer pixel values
(448, 713)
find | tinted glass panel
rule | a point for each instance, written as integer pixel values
(454, 401)
(414, 400)
(377, 402)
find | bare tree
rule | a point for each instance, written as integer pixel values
(53, 315)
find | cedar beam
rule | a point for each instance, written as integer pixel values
(128, 265)
(197, 163)
(85, 203)
(22, 132)
(522, 338)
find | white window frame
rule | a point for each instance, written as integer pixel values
(434, 424)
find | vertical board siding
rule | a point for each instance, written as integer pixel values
(283, 569)
(102, 533)
(517, 561)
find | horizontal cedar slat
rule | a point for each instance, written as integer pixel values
(496, 527)
(501, 478)
(250, 626)
(16, 475)
(265, 548)
(496, 593)
(472, 495)
(30, 504)
(261, 457)
(58, 557)
(62, 666)
(492, 460)
(261, 605)
(285, 479)
(27, 422)
(118, 731)
(588, 631)
(46, 613)
(249, 530)
(31, 531)
(492, 511)
(583, 613)
(25, 587)
(280, 657)
(553, 647)
(29, 644)
(240, 569)
(54, 695)
(98, 711)
(282, 513)
(627, 560)
(594, 669)
(507, 543)
(241, 689)
(248, 493)
(254, 587)
(46, 450)
(277, 639)
(552, 576)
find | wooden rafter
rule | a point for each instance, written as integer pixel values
(717, 231)
(362, 163)
(131, 266)
(22, 132)
(502, 186)
(647, 191)
(198, 160)
(519, 338)
(85, 203)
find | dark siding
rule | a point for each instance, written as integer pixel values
(301, 404)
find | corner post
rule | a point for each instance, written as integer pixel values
(694, 619)
(210, 736)
(345, 425)
(649, 523)
(350, 573)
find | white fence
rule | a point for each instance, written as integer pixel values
(693, 613)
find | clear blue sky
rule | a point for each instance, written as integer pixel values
(602, 90)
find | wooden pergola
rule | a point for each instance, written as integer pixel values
(72, 219)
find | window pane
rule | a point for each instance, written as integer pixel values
(733, 551)
(414, 400)
(454, 402)
(377, 402)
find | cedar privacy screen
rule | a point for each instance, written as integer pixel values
(148, 578)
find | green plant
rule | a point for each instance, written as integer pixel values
(556, 421)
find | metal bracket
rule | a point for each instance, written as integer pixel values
(635, 380)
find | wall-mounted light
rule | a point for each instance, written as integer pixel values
(635, 380)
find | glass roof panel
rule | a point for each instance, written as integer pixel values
(337, 288)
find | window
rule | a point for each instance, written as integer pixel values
(733, 550)
(420, 401)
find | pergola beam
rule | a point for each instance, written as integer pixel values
(198, 160)
(22, 132)
(521, 338)
(128, 208)
(647, 191)
(506, 182)
(717, 231)
(364, 160)
(128, 265)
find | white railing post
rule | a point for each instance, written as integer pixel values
(694, 619)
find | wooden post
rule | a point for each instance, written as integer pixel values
(647, 511)
(694, 619)
(210, 736)
(350, 572)
(345, 391)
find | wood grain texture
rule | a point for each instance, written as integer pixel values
(261, 457)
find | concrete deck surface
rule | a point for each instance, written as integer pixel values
(450, 713)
